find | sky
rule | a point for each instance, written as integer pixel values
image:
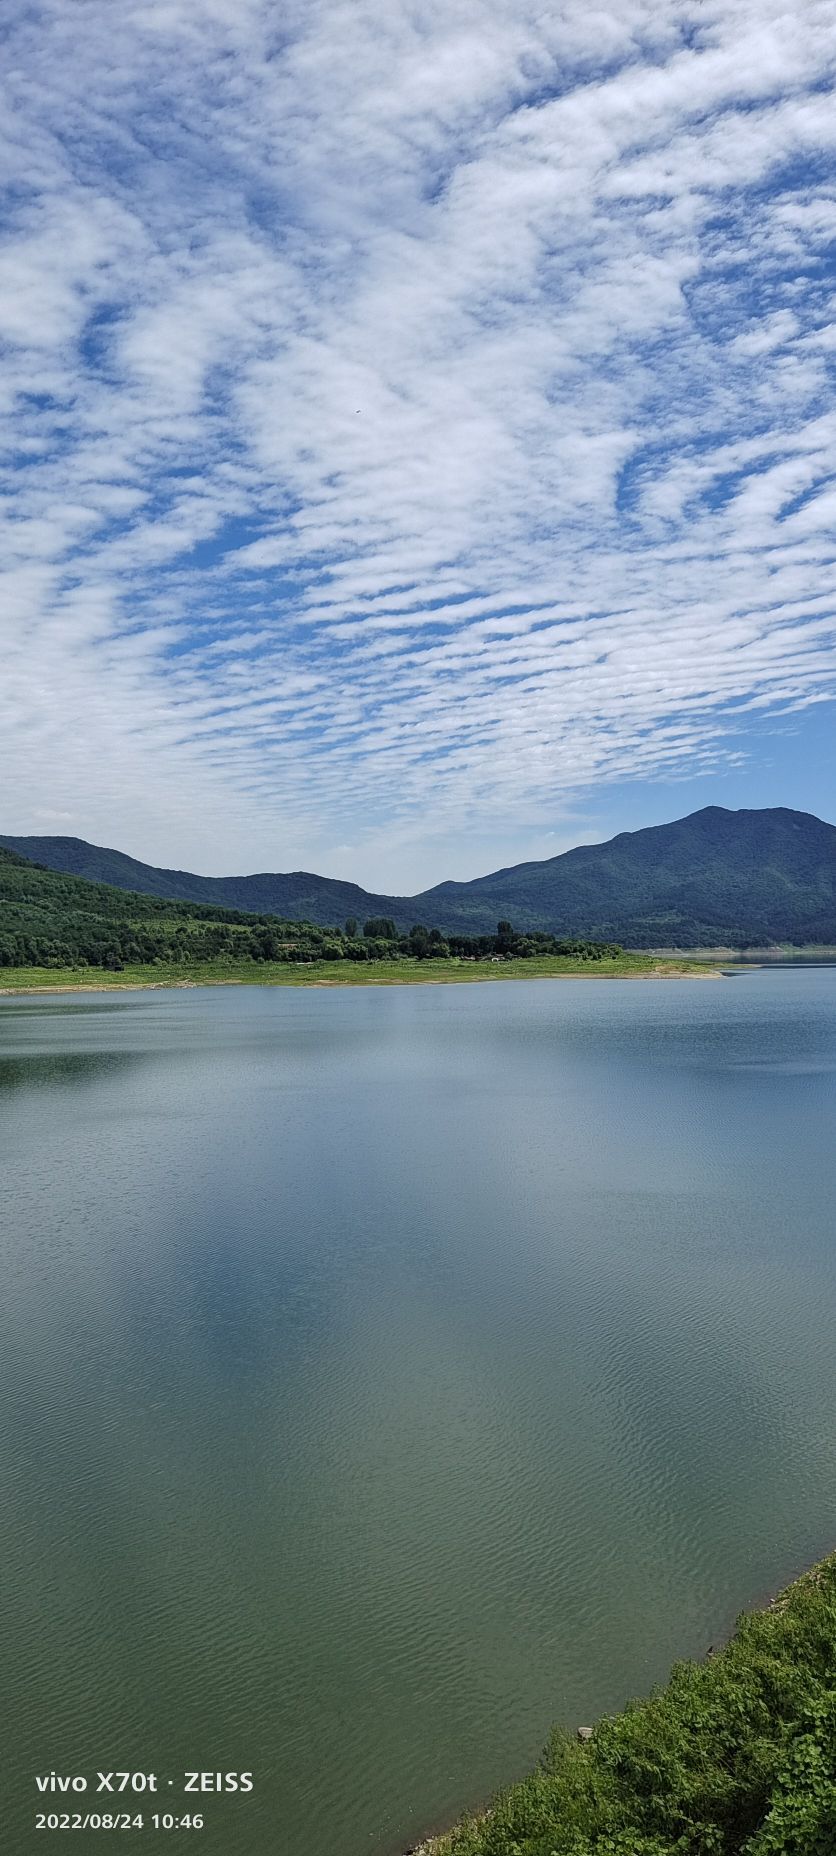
(419, 443)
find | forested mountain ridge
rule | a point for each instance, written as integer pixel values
(717, 877)
(297, 895)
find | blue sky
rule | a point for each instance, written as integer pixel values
(420, 445)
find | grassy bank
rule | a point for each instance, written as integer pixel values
(736, 1756)
(344, 973)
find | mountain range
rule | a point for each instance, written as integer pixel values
(716, 877)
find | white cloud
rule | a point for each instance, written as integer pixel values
(414, 416)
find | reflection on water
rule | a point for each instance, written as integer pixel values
(65, 1066)
(385, 1374)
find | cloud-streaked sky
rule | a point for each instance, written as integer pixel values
(419, 439)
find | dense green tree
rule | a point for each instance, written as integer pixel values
(380, 928)
(506, 938)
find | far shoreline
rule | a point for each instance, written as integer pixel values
(39, 982)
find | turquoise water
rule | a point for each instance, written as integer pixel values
(385, 1374)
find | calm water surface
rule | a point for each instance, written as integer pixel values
(385, 1374)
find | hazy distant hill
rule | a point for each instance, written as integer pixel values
(716, 877)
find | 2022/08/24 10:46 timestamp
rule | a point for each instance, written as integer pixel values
(118, 1820)
(136, 1782)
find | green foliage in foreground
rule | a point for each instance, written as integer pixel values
(735, 1757)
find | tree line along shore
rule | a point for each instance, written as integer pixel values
(735, 1756)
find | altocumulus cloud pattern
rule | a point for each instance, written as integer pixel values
(415, 413)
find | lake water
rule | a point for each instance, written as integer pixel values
(385, 1374)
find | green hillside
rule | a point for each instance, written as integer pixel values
(48, 919)
(736, 879)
